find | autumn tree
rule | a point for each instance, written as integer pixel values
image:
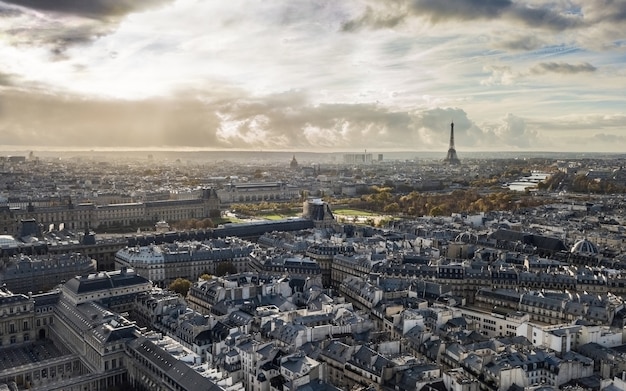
(180, 286)
(392, 208)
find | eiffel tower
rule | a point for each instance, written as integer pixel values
(451, 158)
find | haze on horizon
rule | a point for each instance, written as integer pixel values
(314, 75)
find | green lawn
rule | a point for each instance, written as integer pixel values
(274, 217)
(353, 212)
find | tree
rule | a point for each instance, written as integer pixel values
(205, 277)
(180, 286)
(392, 208)
(436, 211)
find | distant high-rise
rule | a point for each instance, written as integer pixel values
(451, 158)
(358, 158)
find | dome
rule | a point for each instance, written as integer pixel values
(584, 247)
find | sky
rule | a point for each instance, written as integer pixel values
(314, 75)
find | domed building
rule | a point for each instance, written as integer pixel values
(584, 247)
(294, 163)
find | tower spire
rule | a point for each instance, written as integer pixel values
(451, 157)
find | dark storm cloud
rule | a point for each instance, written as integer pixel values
(54, 30)
(544, 17)
(96, 9)
(440, 10)
(9, 11)
(58, 37)
(562, 67)
(436, 11)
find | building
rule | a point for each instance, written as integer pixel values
(294, 163)
(257, 192)
(23, 274)
(166, 262)
(324, 254)
(319, 211)
(17, 324)
(358, 158)
(116, 290)
(497, 323)
(70, 339)
(90, 215)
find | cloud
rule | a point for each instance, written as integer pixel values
(584, 122)
(500, 75)
(9, 11)
(520, 43)
(283, 121)
(57, 121)
(561, 67)
(545, 16)
(610, 138)
(441, 10)
(605, 142)
(6, 79)
(510, 132)
(306, 75)
(379, 16)
(604, 10)
(60, 24)
(513, 131)
(95, 9)
(280, 121)
(290, 120)
(58, 36)
(505, 75)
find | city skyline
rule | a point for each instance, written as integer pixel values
(313, 75)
